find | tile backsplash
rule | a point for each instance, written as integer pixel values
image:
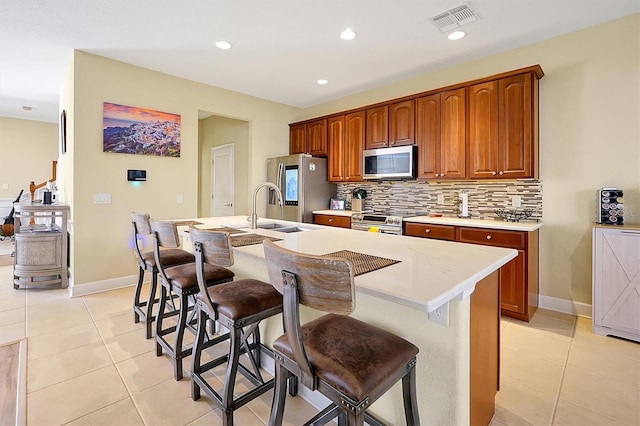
(413, 198)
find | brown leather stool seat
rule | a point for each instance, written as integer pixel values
(143, 310)
(182, 281)
(239, 306)
(348, 361)
(183, 277)
(350, 355)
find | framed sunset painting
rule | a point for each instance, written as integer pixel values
(133, 130)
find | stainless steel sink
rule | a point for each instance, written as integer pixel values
(282, 228)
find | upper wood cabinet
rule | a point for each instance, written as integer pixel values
(335, 139)
(354, 131)
(402, 123)
(503, 129)
(309, 138)
(486, 128)
(441, 136)
(297, 139)
(345, 135)
(317, 137)
(377, 130)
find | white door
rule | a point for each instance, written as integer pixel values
(222, 181)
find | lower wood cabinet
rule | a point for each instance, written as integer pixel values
(519, 279)
(331, 220)
(437, 232)
(484, 348)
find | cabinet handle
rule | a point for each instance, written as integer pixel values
(330, 220)
(493, 173)
(501, 173)
(441, 174)
(488, 237)
(427, 230)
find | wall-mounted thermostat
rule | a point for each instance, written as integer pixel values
(137, 175)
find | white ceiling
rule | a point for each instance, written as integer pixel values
(280, 47)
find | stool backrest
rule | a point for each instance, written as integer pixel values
(141, 226)
(324, 283)
(216, 246)
(141, 223)
(165, 234)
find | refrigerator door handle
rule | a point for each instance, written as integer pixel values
(280, 174)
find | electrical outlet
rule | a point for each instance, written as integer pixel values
(440, 198)
(5, 186)
(516, 201)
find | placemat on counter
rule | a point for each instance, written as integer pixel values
(249, 239)
(363, 263)
(225, 229)
(186, 222)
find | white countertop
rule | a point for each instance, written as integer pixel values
(430, 272)
(477, 223)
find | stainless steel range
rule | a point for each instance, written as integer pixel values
(386, 224)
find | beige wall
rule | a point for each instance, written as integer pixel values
(216, 131)
(101, 232)
(28, 148)
(589, 135)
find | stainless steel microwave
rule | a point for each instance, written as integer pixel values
(390, 163)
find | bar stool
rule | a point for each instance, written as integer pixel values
(350, 362)
(180, 280)
(239, 306)
(147, 262)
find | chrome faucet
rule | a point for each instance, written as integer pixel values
(254, 216)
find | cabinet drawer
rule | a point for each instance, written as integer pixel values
(330, 220)
(492, 237)
(439, 232)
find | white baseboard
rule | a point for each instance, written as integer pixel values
(99, 286)
(566, 306)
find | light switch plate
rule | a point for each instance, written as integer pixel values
(5, 186)
(102, 198)
(179, 199)
(440, 198)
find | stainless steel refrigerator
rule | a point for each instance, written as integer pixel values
(302, 179)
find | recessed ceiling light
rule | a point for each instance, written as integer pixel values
(456, 35)
(27, 108)
(348, 34)
(224, 45)
(322, 81)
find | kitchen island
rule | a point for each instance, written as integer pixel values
(442, 296)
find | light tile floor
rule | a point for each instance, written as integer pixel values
(89, 364)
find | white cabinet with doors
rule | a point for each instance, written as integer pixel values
(616, 281)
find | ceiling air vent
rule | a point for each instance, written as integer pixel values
(454, 18)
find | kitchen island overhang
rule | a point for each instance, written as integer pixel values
(433, 278)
